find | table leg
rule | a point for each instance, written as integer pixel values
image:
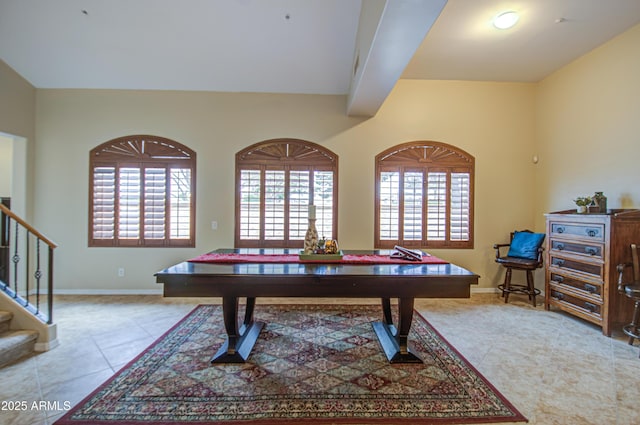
(240, 339)
(248, 312)
(394, 341)
(386, 312)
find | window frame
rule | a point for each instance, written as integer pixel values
(283, 154)
(142, 152)
(424, 156)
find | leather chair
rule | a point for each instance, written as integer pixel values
(525, 253)
(632, 290)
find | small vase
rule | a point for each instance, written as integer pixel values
(581, 209)
(601, 202)
(311, 237)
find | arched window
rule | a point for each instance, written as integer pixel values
(142, 193)
(424, 196)
(276, 181)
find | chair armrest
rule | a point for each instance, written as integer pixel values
(497, 247)
(540, 251)
(621, 268)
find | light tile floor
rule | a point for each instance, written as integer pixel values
(554, 368)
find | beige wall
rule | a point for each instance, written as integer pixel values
(588, 128)
(492, 121)
(17, 122)
(6, 165)
(17, 103)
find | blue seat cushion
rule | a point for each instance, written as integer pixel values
(525, 245)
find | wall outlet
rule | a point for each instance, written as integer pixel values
(214, 225)
(121, 272)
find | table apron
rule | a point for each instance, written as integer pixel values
(318, 286)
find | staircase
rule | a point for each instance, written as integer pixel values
(26, 288)
(14, 344)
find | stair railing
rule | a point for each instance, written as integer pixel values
(23, 267)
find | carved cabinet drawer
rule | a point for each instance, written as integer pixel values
(593, 269)
(592, 250)
(587, 289)
(593, 231)
(576, 303)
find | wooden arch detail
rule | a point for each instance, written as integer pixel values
(141, 148)
(279, 151)
(425, 152)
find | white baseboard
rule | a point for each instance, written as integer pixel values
(485, 290)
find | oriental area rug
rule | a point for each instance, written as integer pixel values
(319, 364)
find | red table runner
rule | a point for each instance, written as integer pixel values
(293, 258)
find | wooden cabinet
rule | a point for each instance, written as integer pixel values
(582, 252)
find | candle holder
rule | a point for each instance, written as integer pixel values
(311, 237)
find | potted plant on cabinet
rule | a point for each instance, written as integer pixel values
(582, 202)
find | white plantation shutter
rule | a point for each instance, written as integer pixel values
(139, 196)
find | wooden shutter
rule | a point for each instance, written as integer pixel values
(104, 202)
(424, 196)
(155, 203)
(276, 180)
(299, 195)
(142, 193)
(250, 200)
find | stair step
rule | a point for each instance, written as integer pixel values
(16, 344)
(5, 318)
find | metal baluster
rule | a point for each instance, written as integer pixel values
(50, 285)
(11, 282)
(37, 275)
(26, 272)
(16, 260)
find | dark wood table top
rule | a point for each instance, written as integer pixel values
(305, 279)
(315, 269)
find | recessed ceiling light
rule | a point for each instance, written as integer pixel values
(505, 20)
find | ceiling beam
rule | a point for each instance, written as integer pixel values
(389, 33)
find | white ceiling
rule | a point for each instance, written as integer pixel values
(296, 46)
(463, 44)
